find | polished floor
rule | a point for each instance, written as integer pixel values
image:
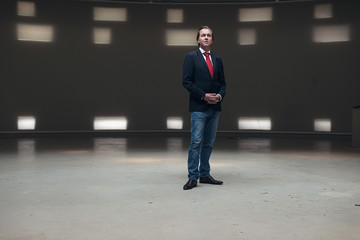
(113, 188)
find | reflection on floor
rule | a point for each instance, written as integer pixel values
(131, 188)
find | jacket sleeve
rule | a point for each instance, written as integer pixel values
(222, 90)
(188, 78)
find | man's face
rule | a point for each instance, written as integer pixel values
(205, 38)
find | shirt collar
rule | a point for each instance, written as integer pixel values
(202, 51)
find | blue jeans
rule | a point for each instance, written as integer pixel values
(203, 133)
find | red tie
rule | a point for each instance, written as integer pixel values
(209, 64)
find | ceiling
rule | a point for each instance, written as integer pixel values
(202, 1)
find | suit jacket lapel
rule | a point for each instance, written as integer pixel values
(213, 58)
(201, 59)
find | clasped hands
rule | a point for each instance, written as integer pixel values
(212, 98)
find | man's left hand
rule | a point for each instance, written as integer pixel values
(212, 98)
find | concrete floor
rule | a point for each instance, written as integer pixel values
(131, 188)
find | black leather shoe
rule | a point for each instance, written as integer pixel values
(190, 184)
(210, 180)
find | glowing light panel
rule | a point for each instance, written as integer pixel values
(26, 9)
(247, 37)
(325, 34)
(322, 125)
(255, 14)
(323, 11)
(26, 123)
(181, 37)
(37, 33)
(174, 123)
(254, 123)
(110, 14)
(102, 35)
(175, 16)
(110, 123)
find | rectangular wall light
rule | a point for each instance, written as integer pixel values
(110, 123)
(174, 123)
(102, 35)
(37, 33)
(255, 14)
(323, 11)
(254, 123)
(182, 37)
(26, 123)
(26, 9)
(110, 14)
(247, 36)
(175, 16)
(335, 33)
(322, 125)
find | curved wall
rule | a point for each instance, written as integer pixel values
(286, 76)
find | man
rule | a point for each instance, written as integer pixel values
(203, 77)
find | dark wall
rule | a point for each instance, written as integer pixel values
(285, 76)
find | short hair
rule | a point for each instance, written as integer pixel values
(204, 27)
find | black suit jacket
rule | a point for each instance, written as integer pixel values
(197, 80)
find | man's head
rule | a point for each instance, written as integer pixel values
(205, 37)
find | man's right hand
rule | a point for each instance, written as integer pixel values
(211, 98)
